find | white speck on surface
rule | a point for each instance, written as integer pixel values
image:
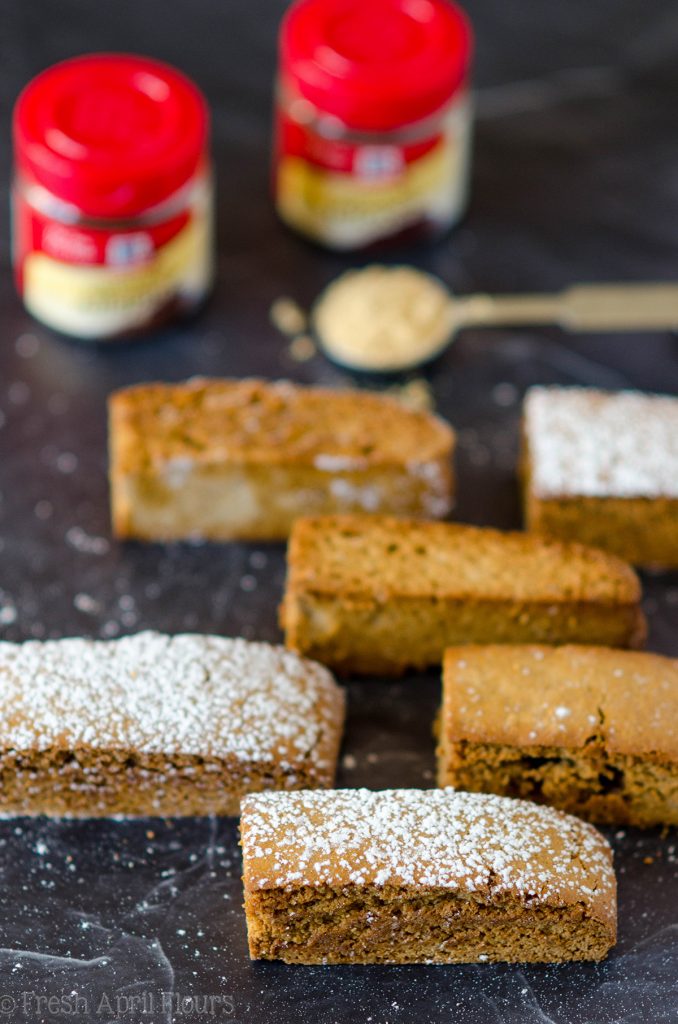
(43, 510)
(87, 604)
(66, 462)
(27, 346)
(8, 614)
(18, 392)
(504, 394)
(85, 543)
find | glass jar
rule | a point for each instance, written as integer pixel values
(372, 120)
(112, 197)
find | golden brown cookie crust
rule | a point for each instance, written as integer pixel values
(590, 730)
(601, 468)
(224, 459)
(156, 724)
(378, 594)
(405, 876)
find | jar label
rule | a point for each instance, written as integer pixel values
(350, 194)
(97, 282)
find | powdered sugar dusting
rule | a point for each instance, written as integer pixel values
(443, 838)
(189, 694)
(602, 444)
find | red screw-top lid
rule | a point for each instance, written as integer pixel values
(376, 64)
(113, 134)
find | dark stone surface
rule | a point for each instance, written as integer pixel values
(575, 178)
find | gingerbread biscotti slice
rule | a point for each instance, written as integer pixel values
(422, 876)
(241, 459)
(602, 468)
(377, 594)
(160, 725)
(590, 730)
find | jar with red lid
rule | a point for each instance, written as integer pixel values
(112, 196)
(372, 120)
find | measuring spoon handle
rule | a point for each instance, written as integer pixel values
(594, 307)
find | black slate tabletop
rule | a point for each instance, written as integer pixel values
(575, 179)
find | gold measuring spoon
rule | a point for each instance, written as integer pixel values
(391, 319)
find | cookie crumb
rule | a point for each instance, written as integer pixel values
(302, 348)
(415, 394)
(288, 317)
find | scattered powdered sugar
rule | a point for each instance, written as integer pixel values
(339, 463)
(85, 543)
(602, 444)
(434, 495)
(258, 559)
(367, 497)
(461, 841)
(27, 346)
(177, 471)
(87, 604)
(189, 694)
(8, 612)
(18, 392)
(43, 510)
(505, 394)
(66, 462)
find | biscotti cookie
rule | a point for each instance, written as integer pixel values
(590, 730)
(227, 459)
(422, 876)
(602, 468)
(158, 725)
(376, 594)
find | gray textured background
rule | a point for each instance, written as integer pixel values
(575, 178)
